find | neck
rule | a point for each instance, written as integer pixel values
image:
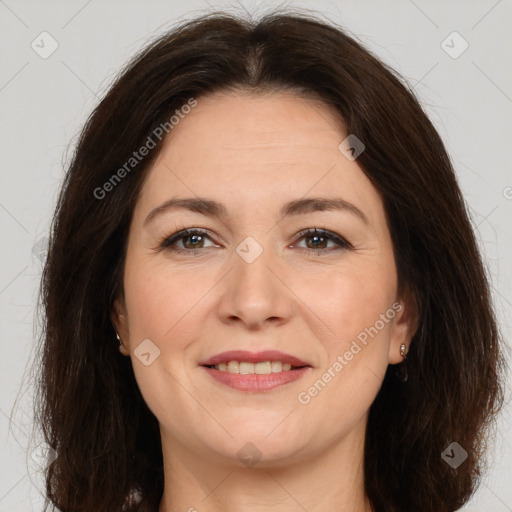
(332, 480)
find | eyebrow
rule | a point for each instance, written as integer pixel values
(215, 209)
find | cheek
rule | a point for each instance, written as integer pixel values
(341, 301)
(347, 299)
(349, 302)
(159, 296)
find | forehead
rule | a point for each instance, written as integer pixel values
(255, 148)
(269, 126)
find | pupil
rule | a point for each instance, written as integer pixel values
(195, 239)
(317, 238)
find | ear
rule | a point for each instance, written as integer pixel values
(119, 319)
(405, 324)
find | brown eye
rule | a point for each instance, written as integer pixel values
(195, 241)
(187, 240)
(317, 242)
(319, 238)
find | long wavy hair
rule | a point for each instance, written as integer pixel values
(87, 402)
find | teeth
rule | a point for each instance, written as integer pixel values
(263, 368)
(277, 366)
(245, 368)
(233, 367)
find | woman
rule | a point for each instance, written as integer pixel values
(263, 290)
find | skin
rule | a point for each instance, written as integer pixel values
(253, 153)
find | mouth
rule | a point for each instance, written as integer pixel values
(248, 368)
(255, 372)
(245, 358)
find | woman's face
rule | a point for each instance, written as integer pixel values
(255, 282)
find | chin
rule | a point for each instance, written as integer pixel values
(256, 448)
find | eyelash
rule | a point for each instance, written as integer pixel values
(167, 242)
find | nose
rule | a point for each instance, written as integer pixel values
(255, 293)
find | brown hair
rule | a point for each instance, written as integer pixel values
(88, 403)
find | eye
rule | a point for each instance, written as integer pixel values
(320, 237)
(191, 239)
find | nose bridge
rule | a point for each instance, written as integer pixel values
(252, 260)
(253, 292)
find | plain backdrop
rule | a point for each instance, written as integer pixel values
(457, 55)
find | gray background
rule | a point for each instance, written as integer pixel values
(44, 102)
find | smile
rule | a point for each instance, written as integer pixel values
(255, 377)
(247, 368)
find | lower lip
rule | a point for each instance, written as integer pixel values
(255, 382)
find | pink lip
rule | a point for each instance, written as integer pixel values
(253, 357)
(256, 382)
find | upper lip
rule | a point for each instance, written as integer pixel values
(253, 357)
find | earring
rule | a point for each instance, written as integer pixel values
(401, 372)
(120, 343)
